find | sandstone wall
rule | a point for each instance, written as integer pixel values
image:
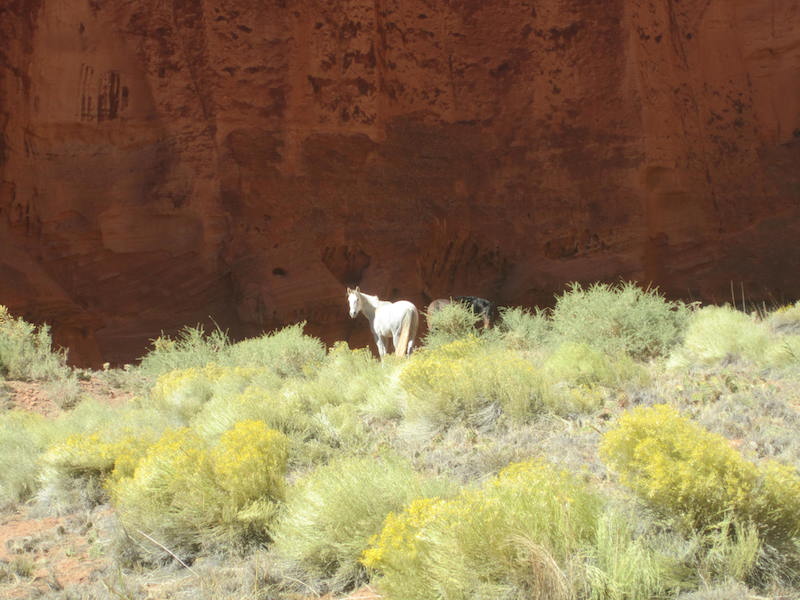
(163, 161)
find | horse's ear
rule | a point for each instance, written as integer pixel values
(349, 290)
(357, 289)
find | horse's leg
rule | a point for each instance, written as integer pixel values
(380, 344)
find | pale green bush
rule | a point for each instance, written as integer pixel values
(619, 318)
(469, 381)
(580, 378)
(23, 437)
(191, 347)
(280, 411)
(718, 334)
(451, 322)
(524, 329)
(26, 351)
(785, 319)
(345, 377)
(183, 392)
(729, 551)
(313, 412)
(65, 392)
(288, 352)
(582, 364)
(627, 560)
(332, 513)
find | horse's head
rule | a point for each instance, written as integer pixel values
(354, 300)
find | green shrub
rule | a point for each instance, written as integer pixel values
(469, 381)
(27, 468)
(582, 364)
(65, 391)
(285, 413)
(191, 347)
(183, 392)
(26, 350)
(345, 377)
(288, 352)
(188, 495)
(23, 437)
(718, 334)
(313, 413)
(785, 320)
(685, 471)
(332, 513)
(451, 322)
(516, 536)
(628, 559)
(785, 351)
(356, 377)
(729, 551)
(524, 330)
(619, 318)
(341, 426)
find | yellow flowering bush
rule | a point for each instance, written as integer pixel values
(172, 490)
(93, 455)
(468, 380)
(187, 494)
(398, 544)
(249, 462)
(485, 540)
(682, 469)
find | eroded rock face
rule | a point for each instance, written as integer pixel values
(166, 161)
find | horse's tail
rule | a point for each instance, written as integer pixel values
(408, 331)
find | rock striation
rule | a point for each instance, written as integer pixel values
(167, 161)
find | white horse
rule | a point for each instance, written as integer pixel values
(398, 320)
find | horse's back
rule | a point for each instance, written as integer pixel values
(481, 307)
(437, 304)
(389, 317)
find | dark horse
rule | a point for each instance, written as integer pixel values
(482, 308)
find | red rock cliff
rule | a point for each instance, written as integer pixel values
(166, 160)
